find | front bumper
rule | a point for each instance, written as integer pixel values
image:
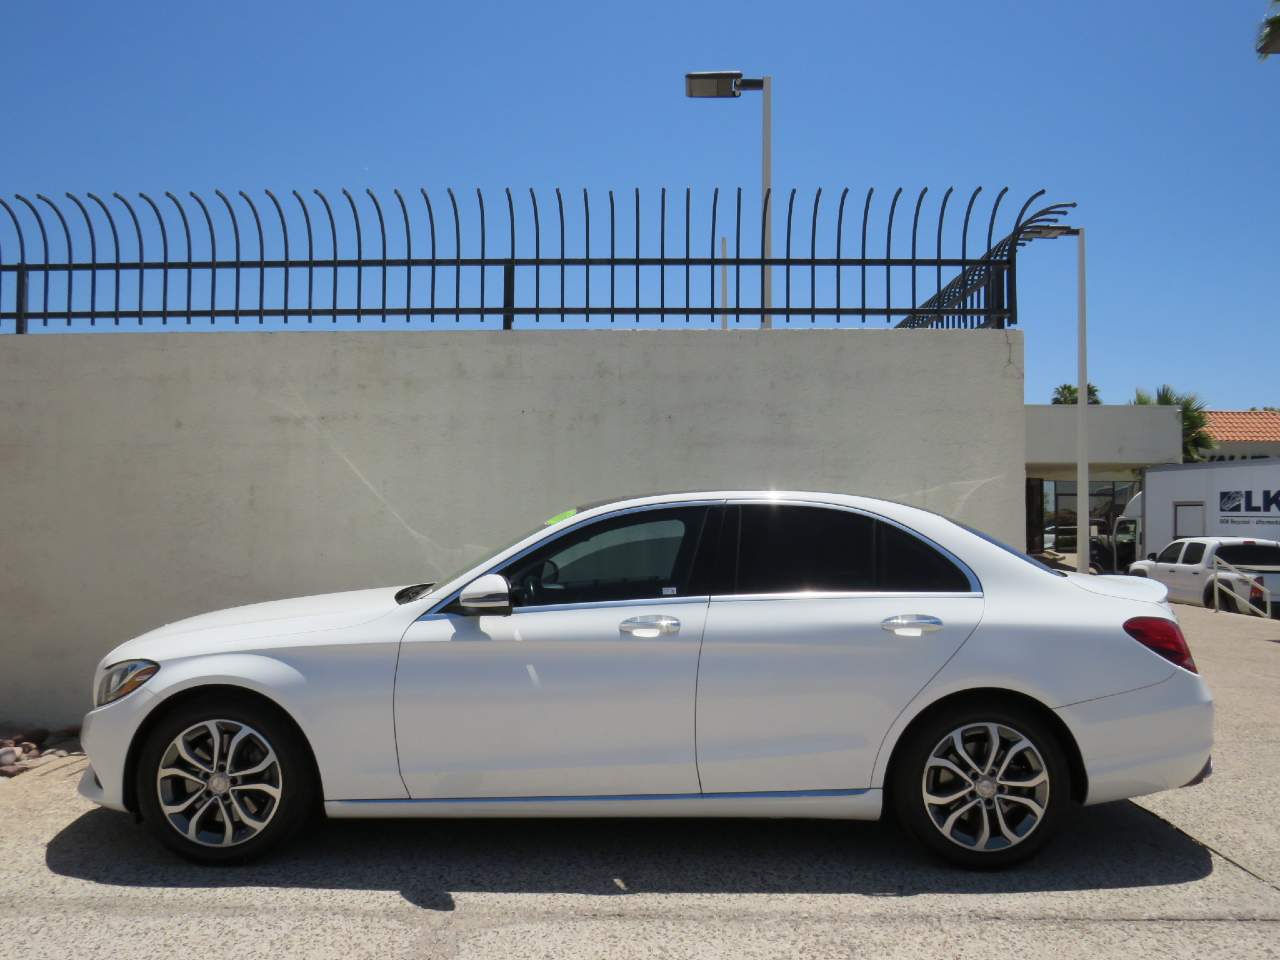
(106, 734)
(90, 787)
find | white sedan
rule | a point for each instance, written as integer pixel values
(723, 654)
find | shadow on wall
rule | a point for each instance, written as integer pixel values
(1110, 847)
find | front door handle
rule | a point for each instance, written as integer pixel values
(911, 624)
(648, 627)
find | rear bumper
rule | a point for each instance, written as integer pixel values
(1205, 773)
(1147, 740)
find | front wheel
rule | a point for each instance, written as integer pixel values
(224, 780)
(982, 786)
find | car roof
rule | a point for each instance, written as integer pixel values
(874, 504)
(1231, 541)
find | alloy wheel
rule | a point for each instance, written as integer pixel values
(985, 787)
(219, 783)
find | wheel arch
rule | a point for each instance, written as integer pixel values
(222, 692)
(987, 696)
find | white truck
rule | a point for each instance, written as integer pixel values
(1245, 573)
(1233, 499)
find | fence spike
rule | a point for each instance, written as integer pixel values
(142, 254)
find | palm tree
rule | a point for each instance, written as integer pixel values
(1195, 422)
(1269, 32)
(1068, 393)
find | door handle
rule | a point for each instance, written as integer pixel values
(648, 627)
(911, 624)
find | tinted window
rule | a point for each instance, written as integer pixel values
(638, 556)
(1250, 554)
(1006, 548)
(907, 563)
(1194, 552)
(785, 549)
(1170, 553)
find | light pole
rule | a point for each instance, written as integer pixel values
(728, 84)
(1052, 231)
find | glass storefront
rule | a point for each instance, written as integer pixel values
(1053, 525)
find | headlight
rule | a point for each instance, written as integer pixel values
(121, 679)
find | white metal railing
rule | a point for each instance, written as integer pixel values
(1263, 611)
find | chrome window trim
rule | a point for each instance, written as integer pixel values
(975, 585)
(847, 595)
(493, 565)
(608, 604)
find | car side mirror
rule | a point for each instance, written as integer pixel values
(489, 594)
(1151, 556)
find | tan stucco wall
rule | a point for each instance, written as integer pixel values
(1120, 439)
(148, 477)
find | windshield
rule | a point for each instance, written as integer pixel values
(478, 556)
(1250, 554)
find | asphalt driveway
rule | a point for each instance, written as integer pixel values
(1193, 873)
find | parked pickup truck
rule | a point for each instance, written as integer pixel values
(1189, 569)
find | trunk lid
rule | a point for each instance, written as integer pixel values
(1142, 589)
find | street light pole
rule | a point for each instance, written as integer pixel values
(1082, 411)
(728, 84)
(1050, 231)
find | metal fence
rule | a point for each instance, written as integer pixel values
(294, 259)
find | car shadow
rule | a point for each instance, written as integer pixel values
(1114, 846)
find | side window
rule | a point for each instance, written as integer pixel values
(908, 564)
(1170, 553)
(638, 556)
(1195, 552)
(788, 549)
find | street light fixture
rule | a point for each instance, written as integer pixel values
(1052, 232)
(728, 84)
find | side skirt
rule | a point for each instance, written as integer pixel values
(819, 804)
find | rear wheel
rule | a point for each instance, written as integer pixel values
(1227, 600)
(982, 786)
(224, 780)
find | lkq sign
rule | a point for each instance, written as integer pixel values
(1258, 507)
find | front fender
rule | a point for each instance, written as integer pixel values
(339, 696)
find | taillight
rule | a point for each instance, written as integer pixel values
(1163, 637)
(1255, 591)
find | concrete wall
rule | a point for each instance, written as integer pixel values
(148, 477)
(1121, 439)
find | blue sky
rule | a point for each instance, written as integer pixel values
(1156, 118)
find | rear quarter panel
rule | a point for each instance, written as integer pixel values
(1051, 641)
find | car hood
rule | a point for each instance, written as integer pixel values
(277, 618)
(1125, 588)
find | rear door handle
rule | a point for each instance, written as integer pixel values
(911, 624)
(647, 627)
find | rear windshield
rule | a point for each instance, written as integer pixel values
(1250, 554)
(1008, 549)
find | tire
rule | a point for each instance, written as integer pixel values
(1014, 831)
(1228, 602)
(248, 799)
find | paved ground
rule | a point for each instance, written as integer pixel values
(1194, 873)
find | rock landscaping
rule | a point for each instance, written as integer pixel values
(27, 749)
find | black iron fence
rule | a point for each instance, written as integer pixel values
(294, 259)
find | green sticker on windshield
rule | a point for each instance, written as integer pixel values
(561, 516)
